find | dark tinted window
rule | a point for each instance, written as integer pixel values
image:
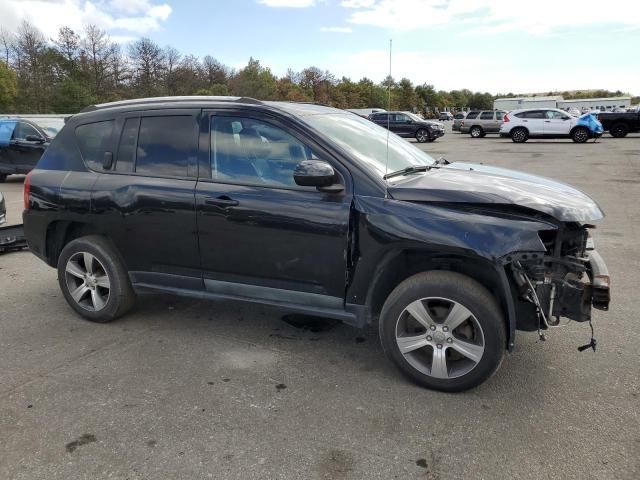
(252, 152)
(165, 145)
(472, 115)
(532, 114)
(127, 148)
(486, 116)
(380, 116)
(94, 139)
(401, 117)
(458, 116)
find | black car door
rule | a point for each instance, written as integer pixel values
(402, 125)
(145, 201)
(261, 235)
(26, 148)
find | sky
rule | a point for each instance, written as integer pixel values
(498, 46)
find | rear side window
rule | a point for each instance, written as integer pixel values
(165, 145)
(380, 116)
(486, 116)
(472, 115)
(93, 140)
(531, 114)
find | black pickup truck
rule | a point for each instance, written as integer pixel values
(620, 123)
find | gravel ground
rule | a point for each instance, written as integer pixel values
(190, 389)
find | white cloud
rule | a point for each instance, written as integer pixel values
(127, 17)
(288, 3)
(336, 29)
(540, 17)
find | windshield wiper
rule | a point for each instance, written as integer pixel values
(407, 171)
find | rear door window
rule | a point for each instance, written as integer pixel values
(472, 115)
(486, 116)
(93, 140)
(166, 145)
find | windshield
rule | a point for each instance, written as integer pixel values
(367, 142)
(414, 117)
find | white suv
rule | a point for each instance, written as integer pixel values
(522, 125)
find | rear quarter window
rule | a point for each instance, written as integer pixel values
(93, 140)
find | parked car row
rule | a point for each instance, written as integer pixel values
(521, 125)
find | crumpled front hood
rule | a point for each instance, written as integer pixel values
(470, 183)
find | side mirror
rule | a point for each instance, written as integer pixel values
(314, 173)
(107, 160)
(34, 138)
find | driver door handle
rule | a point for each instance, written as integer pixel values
(222, 201)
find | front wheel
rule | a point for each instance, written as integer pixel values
(93, 280)
(443, 330)
(580, 135)
(422, 136)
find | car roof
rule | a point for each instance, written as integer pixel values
(186, 102)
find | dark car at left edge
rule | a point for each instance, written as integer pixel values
(23, 141)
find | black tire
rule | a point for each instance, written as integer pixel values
(3, 177)
(619, 130)
(484, 134)
(119, 298)
(422, 136)
(519, 135)
(476, 132)
(455, 288)
(580, 134)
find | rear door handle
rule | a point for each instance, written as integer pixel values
(222, 201)
(547, 121)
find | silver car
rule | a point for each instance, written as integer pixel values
(479, 123)
(457, 120)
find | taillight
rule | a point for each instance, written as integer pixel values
(462, 123)
(26, 190)
(505, 118)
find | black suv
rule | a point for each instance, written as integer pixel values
(22, 143)
(314, 210)
(409, 125)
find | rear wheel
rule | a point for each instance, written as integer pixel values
(580, 135)
(519, 135)
(93, 280)
(619, 130)
(476, 132)
(422, 136)
(443, 330)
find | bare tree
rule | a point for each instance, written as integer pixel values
(148, 65)
(171, 61)
(96, 43)
(6, 41)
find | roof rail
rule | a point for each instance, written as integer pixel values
(152, 100)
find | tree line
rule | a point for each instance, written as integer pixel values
(75, 69)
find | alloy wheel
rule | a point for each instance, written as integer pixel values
(87, 281)
(581, 135)
(422, 136)
(440, 337)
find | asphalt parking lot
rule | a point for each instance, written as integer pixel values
(191, 389)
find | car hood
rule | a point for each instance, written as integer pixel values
(470, 183)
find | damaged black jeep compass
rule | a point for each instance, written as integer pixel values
(314, 210)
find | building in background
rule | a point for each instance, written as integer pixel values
(557, 101)
(516, 103)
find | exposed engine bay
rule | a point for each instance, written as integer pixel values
(565, 281)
